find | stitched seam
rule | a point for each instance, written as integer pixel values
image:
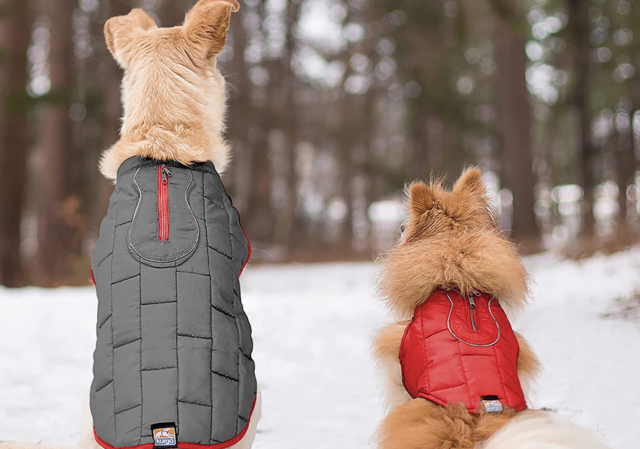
(436, 333)
(127, 409)
(105, 257)
(447, 388)
(161, 302)
(206, 241)
(122, 224)
(113, 349)
(177, 357)
(226, 377)
(127, 343)
(224, 312)
(192, 272)
(504, 390)
(104, 322)
(194, 403)
(140, 355)
(235, 312)
(126, 279)
(159, 369)
(220, 252)
(424, 351)
(195, 336)
(211, 200)
(464, 374)
(247, 356)
(102, 387)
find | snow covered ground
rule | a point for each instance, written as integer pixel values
(313, 326)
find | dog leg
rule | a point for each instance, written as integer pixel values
(247, 441)
(528, 365)
(386, 348)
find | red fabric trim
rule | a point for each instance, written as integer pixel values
(223, 445)
(248, 253)
(92, 278)
(248, 243)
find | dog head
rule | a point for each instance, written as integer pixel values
(172, 92)
(451, 240)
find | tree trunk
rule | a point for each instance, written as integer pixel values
(286, 225)
(424, 160)
(240, 112)
(578, 28)
(625, 170)
(58, 237)
(514, 121)
(15, 36)
(172, 12)
(347, 140)
(111, 99)
(259, 218)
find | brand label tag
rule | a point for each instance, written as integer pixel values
(164, 436)
(492, 405)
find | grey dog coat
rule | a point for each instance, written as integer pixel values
(172, 364)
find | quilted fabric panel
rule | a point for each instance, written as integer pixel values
(174, 344)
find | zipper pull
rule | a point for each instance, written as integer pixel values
(472, 311)
(166, 174)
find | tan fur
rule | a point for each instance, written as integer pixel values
(173, 94)
(385, 350)
(451, 240)
(528, 365)
(425, 425)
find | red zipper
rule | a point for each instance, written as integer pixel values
(163, 202)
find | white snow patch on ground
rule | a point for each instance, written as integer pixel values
(313, 326)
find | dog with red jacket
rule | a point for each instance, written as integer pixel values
(457, 372)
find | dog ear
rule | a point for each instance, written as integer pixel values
(207, 23)
(470, 182)
(421, 198)
(121, 31)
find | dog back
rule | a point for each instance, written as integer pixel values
(462, 349)
(172, 364)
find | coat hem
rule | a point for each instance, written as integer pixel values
(444, 403)
(182, 445)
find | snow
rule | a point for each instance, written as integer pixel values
(313, 326)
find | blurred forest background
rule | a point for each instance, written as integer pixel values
(334, 106)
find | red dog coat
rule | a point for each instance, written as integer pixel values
(461, 349)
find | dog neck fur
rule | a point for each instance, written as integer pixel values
(451, 241)
(173, 95)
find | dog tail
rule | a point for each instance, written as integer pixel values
(542, 431)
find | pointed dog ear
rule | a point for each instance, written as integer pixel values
(207, 23)
(470, 182)
(421, 198)
(121, 31)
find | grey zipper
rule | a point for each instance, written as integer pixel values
(472, 312)
(466, 342)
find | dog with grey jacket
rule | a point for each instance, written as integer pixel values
(173, 364)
